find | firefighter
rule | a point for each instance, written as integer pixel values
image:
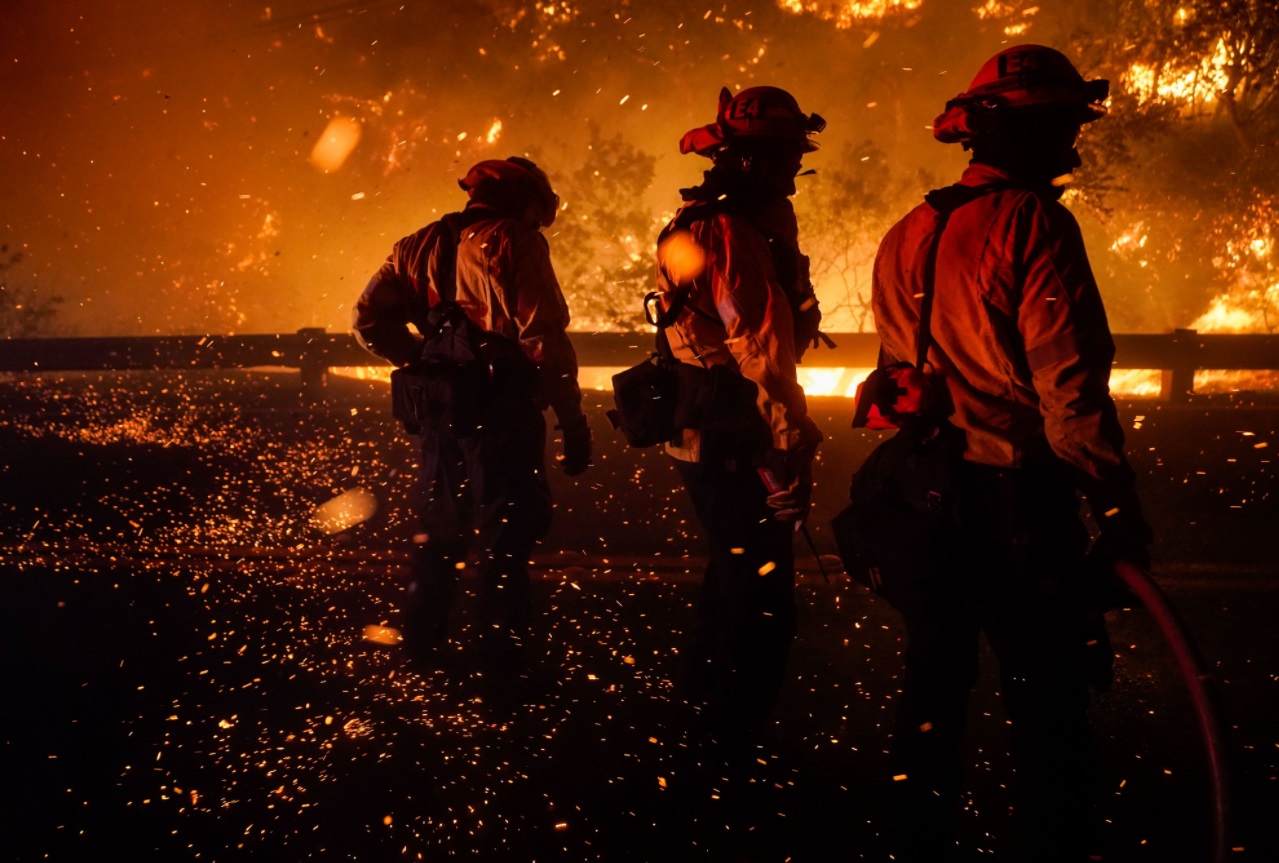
(1021, 342)
(738, 322)
(484, 488)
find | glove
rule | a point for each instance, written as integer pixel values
(577, 445)
(788, 476)
(792, 501)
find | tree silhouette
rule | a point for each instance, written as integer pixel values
(843, 213)
(23, 312)
(603, 243)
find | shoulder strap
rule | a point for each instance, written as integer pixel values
(449, 232)
(684, 219)
(452, 225)
(945, 201)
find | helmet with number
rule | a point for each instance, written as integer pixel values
(516, 186)
(1021, 77)
(762, 113)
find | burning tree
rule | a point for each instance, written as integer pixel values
(1192, 131)
(604, 249)
(843, 215)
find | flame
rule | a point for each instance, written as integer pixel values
(847, 13)
(994, 9)
(1192, 87)
(1251, 303)
(1226, 315)
(1136, 383)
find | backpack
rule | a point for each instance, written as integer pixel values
(464, 375)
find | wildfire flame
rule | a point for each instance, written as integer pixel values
(847, 13)
(1191, 87)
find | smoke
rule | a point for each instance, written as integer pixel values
(201, 166)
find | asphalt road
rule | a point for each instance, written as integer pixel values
(189, 670)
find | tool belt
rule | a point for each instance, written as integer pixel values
(466, 378)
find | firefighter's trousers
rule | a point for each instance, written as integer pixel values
(746, 612)
(1018, 553)
(484, 493)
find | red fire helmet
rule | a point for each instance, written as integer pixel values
(1024, 76)
(756, 112)
(515, 181)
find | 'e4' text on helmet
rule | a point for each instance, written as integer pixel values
(768, 113)
(1021, 77)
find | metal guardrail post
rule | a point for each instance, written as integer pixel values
(1177, 384)
(313, 363)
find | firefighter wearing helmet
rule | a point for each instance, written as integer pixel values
(483, 465)
(1021, 345)
(736, 312)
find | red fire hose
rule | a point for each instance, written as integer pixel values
(1196, 677)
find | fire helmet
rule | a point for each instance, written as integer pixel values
(1024, 76)
(515, 185)
(758, 113)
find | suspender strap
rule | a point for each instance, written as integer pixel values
(945, 201)
(930, 278)
(453, 225)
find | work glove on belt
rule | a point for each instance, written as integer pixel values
(578, 443)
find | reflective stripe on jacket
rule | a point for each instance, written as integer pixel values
(738, 313)
(505, 284)
(1019, 331)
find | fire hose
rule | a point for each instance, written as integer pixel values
(1197, 678)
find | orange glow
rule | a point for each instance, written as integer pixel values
(337, 143)
(846, 13)
(345, 511)
(1136, 383)
(382, 634)
(843, 382)
(681, 256)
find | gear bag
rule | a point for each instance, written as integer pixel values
(464, 375)
(658, 397)
(894, 534)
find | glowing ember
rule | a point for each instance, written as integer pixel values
(382, 634)
(338, 141)
(345, 511)
(683, 259)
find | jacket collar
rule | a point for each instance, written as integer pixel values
(981, 174)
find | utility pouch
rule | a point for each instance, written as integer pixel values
(720, 404)
(644, 398)
(895, 395)
(440, 395)
(465, 376)
(895, 533)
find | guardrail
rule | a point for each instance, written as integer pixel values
(313, 352)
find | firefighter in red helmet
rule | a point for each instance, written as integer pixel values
(1020, 342)
(483, 469)
(737, 324)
